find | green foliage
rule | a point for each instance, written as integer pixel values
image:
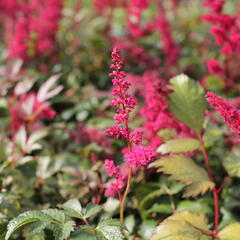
(232, 164)
(25, 218)
(230, 232)
(109, 229)
(74, 209)
(61, 225)
(187, 102)
(182, 226)
(183, 169)
(179, 145)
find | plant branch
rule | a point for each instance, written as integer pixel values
(125, 196)
(215, 191)
(228, 178)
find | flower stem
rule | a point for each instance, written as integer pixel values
(215, 191)
(122, 206)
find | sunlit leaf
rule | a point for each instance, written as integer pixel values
(230, 232)
(182, 226)
(187, 102)
(179, 145)
(183, 169)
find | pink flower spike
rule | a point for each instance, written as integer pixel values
(214, 67)
(136, 136)
(110, 168)
(140, 156)
(229, 113)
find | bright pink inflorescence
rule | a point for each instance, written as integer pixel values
(123, 100)
(156, 111)
(31, 26)
(226, 32)
(229, 113)
(136, 155)
(135, 9)
(140, 156)
(170, 48)
(214, 67)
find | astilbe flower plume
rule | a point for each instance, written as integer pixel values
(136, 155)
(229, 113)
(122, 100)
(226, 32)
(156, 110)
(135, 9)
(170, 47)
(140, 156)
(31, 27)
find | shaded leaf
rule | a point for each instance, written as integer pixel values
(147, 228)
(63, 231)
(37, 227)
(232, 164)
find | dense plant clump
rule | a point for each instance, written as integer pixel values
(146, 149)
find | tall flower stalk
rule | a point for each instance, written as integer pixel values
(136, 155)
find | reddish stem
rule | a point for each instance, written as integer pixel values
(215, 191)
(223, 184)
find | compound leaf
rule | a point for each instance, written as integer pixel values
(232, 164)
(179, 145)
(109, 229)
(25, 218)
(182, 226)
(230, 232)
(187, 102)
(91, 210)
(183, 169)
(73, 208)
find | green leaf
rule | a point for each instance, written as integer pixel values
(147, 228)
(25, 218)
(63, 231)
(79, 234)
(167, 134)
(194, 206)
(109, 229)
(73, 208)
(149, 197)
(181, 226)
(129, 222)
(162, 207)
(37, 227)
(183, 169)
(187, 102)
(232, 164)
(55, 214)
(179, 145)
(230, 232)
(91, 210)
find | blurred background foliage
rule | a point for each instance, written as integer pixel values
(69, 162)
